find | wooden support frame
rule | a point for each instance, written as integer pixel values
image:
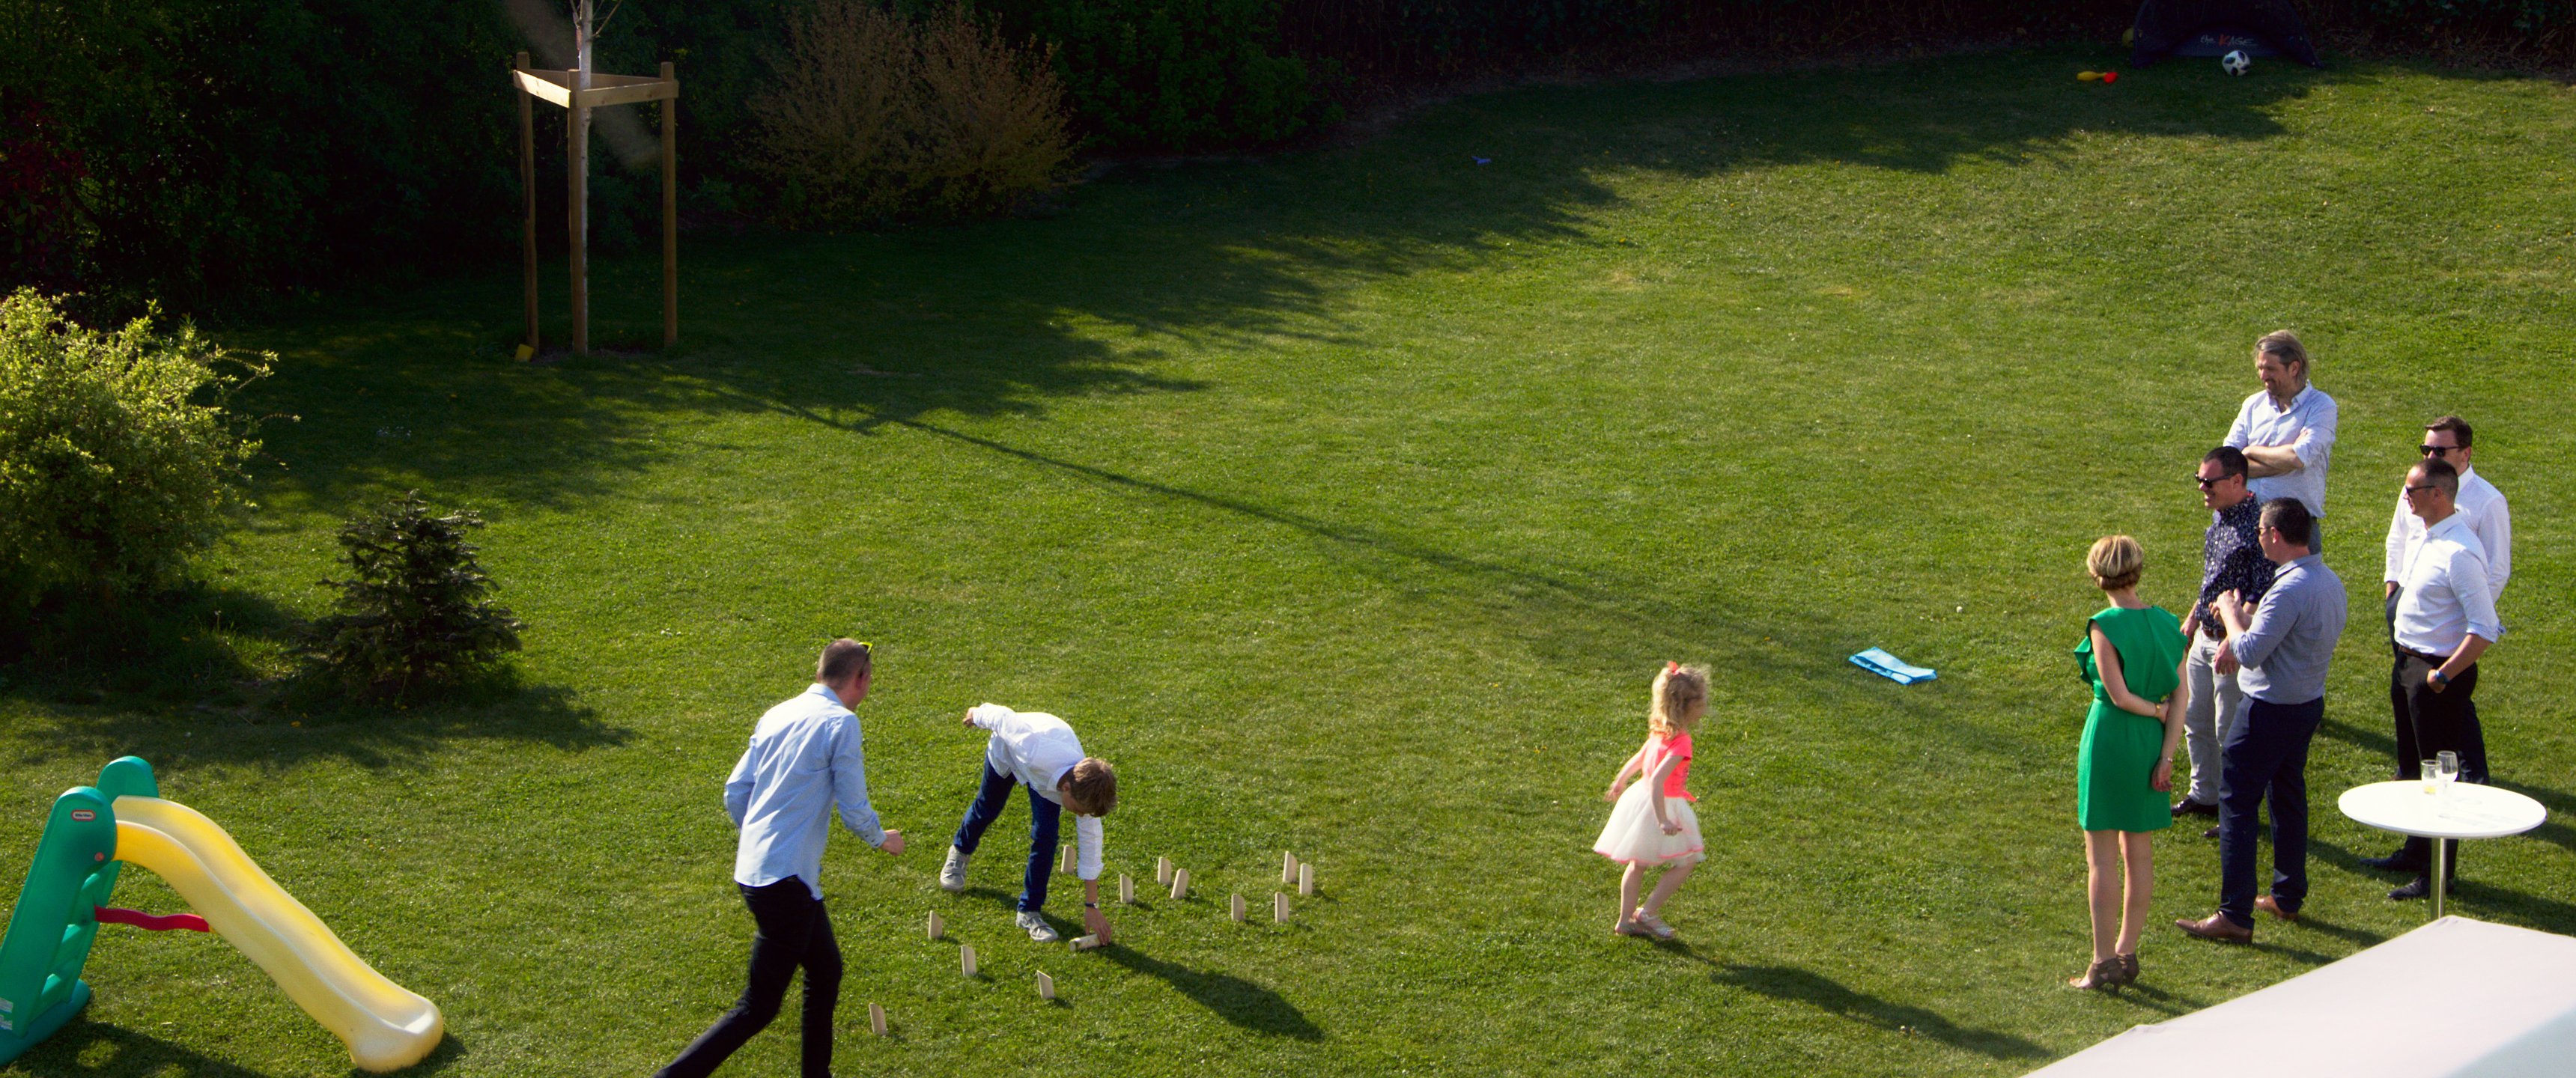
(565, 90)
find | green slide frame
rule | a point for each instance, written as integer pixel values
(54, 923)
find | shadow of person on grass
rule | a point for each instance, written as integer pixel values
(1247, 1005)
(1795, 985)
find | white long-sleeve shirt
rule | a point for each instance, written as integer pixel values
(2443, 597)
(2483, 506)
(1038, 749)
(2307, 426)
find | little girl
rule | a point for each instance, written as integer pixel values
(1653, 823)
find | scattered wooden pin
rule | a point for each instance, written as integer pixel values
(876, 1019)
(1237, 904)
(1305, 879)
(1086, 943)
(1126, 890)
(1046, 986)
(1065, 862)
(1162, 870)
(1287, 868)
(936, 928)
(966, 959)
(1180, 884)
(1279, 907)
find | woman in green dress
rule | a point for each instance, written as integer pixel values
(2132, 654)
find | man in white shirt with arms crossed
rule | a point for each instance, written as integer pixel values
(1038, 751)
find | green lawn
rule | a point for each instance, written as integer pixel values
(1347, 500)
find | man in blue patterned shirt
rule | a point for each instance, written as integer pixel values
(2231, 559)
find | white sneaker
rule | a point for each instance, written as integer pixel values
(952, 875)
(1039, 930)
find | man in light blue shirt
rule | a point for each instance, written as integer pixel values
(805, 757)
(2284, 643)
(2287, 430)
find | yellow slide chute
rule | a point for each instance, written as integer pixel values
(386, 1026)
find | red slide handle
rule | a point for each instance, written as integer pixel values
(110, 915)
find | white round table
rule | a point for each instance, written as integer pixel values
(2471, 811)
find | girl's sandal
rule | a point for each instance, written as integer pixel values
(1631, 928)
(1656, 927)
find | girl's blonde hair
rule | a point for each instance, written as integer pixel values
(1681, 694)
(2115, 562)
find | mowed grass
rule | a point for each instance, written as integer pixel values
(1347, 500)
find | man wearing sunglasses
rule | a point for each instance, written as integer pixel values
(2231, 558)
(804, 759)
(2443, 620)
(2286, 430)
(2480, 504)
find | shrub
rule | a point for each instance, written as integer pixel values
(876, 115)
(117, 457)
(413, 613)
(1177, 74)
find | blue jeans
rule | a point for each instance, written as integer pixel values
(2266, 758)
(1044, 815)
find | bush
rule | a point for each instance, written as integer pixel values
(413, 614)
(877, 115)
(117, 457)
(1177, 74)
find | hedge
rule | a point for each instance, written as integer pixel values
(200, 151)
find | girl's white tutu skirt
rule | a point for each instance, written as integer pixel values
(1633, 837)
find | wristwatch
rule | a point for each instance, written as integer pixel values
(2438, 679)
(1091, 905)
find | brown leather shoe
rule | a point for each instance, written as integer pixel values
(2218, 928)
(2272, 906)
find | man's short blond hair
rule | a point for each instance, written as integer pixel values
(2115, 562)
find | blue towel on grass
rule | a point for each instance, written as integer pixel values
(1890, 667)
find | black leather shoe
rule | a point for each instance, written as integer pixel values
(2395, 862)
(2189, 807)
(2211, 833)
(2419, 887)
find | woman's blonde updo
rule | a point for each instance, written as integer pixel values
(2115, 562)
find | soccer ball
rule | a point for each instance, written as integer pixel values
(2236, 62)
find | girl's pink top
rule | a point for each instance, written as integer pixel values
(1679, 744)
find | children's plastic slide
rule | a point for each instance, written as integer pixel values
(122, 820)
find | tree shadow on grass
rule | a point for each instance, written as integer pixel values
(1246, 1005)
(1794, 985)
(96, 1048)
(498, 708)
(981, 320)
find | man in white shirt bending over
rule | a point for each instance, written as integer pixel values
(2286, 431)
(1039, 751)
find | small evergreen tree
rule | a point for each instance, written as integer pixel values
(414, 612)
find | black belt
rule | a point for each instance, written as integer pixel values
(2411, 653)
